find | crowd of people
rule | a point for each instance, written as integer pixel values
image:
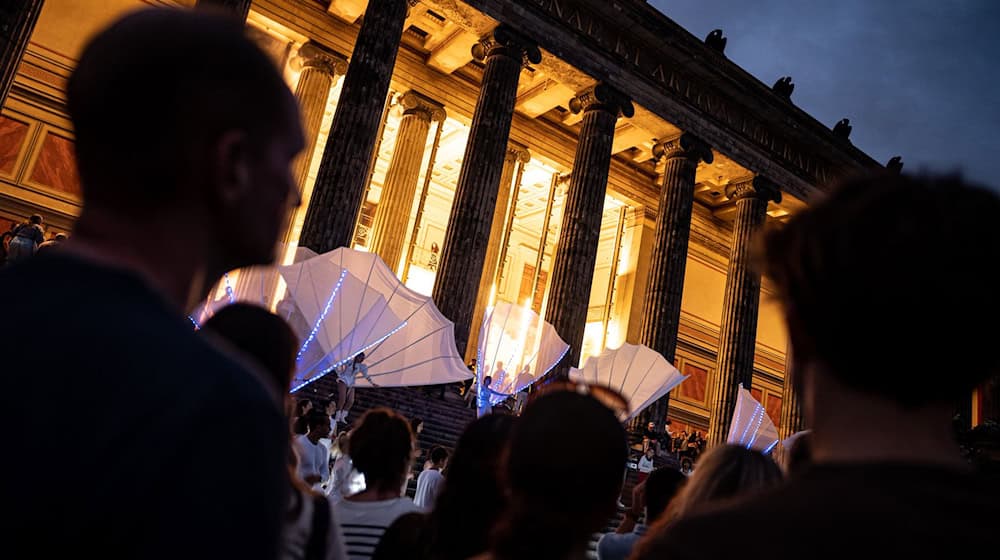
(184, 444)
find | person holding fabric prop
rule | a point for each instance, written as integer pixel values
(346, 376)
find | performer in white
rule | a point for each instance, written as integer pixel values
(484, 395)
(345, 385)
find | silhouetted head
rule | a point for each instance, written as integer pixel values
(546, 496)
(180, 118)
(473, 496)
(662, 485)
(799, 454)
(381, 448)
(263, 336)
(915, 270)
(724, 473)
(319, 425)
(438, 456)
(36, 219)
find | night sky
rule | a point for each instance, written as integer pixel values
(917, 78)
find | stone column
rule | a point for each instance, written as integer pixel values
(515, 155)
(469, 224)
(791, 420)
(17, 20)
(393, 213)
(320, 69)
(239, 8)
(576, 252)
(340, 184)
(738, 332)
(661, 312)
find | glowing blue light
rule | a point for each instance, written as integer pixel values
(195, 323)
(759, 414)
(347, 359)
(770, 447)
(322, 316)
(229, 288)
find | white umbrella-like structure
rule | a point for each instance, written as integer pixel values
(751, 427)
(354, 303)
(346, 302)
(516, 348)
(255, 285)
(641, 374)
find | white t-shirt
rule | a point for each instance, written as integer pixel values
(314, 459)
(363, 523)
(645, 464)
(429, 485)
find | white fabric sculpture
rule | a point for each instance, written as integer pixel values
(751, 427)
(641, 374)
(346, 302)
(516, 348)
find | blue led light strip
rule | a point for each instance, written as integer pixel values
(759, 414)
(347, 359)
(770, 447)
(322, 317)
(195, 323)
(229, 288)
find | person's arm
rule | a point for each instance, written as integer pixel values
(364, 372)
(633, 513)
(499, 394)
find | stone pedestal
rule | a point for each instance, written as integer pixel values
(738, 333)
(516, 155)
(340, 184)
(239, 8)
(661, 312)
(576, 253)
(470, 222)
(791, 420)
(17, 20)
(388, 233)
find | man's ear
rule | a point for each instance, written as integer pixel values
(232, 167)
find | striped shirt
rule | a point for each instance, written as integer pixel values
(364, 523)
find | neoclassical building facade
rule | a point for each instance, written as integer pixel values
(588, 158)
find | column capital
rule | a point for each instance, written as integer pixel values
(314, 55)
(687, 146)
(504, 41)
(414, 103)
(602, 97)
(753, 187)
(517, 152)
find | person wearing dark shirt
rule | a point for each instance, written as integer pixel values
(887, 267)
(185, 134)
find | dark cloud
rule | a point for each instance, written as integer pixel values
(917, 78)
